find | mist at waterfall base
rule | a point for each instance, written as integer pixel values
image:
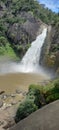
(30, 62)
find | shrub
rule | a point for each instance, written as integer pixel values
(5, 48)
(35, 91)
(24, 110)
(52, 97)
(53, 93)
(35, 98)
(34, 88)
(31, 103)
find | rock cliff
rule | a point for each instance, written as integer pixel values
(20, 22)
(50, 50)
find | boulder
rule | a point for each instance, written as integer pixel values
(1, 92)
(18, 91)
(46, 118)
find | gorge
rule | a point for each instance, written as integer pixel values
(29, 64)
(19, 76)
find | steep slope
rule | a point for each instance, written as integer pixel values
(46, 118)
(50, 50)
(20, 22)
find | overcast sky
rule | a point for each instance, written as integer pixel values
(51, 4)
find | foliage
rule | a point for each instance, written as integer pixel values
(53, 93)
(33, 98)
(27, 46)
(24, 110)
(34, 92)
(15, 20)
(5, 48)
(14, 11)
(30, 104)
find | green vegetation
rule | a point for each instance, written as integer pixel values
(30, 104)
(5, 48)
(37, 10)
(34, 95)
(53, 93)
(15, 20)
(18, 12)
(24, 110)
(37, 97)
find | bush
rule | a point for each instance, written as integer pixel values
(34, 88)
(34, 91)
(35, 98)
(5, 48)
(24, 110)
(31, 103)
(52, 97)
(53, 93)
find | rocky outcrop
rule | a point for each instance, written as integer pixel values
(50, 50)
(47, 118)
(46, 48)
(19, 24)
(23, 34)
(1, 103)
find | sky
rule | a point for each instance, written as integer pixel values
(51, 4)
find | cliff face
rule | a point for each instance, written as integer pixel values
(21, 35)
(50, 50)
(18, 25)
(20, 21)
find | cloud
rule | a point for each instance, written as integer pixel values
(51, 4)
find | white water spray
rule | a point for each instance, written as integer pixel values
(30, 62)
(31, 59)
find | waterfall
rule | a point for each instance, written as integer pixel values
(30, 61)
(32, 56)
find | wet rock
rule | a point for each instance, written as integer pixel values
(24, 93)
(5, 106)
(1, 123)
(1, 103)
(19, 101)
(13, 95)
(18, 91)
(1, 92)
(9, 124)
(4, 96)
(13, 103)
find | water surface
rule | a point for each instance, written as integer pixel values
(10, 82)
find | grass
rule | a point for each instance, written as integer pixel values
(6, 49)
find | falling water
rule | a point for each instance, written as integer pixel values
(30, 62)
(31, 59)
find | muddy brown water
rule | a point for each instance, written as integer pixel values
(10, 82)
